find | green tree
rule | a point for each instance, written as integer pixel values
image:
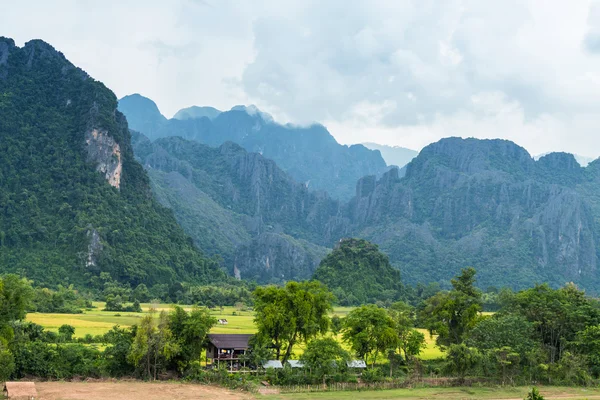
(66, 332)
(557, 314)
(7, 363)
(503, 330)
(153, 345)
(323, 356)
(190, 331)
(369, 330)
(295, 313)
(451, 315)
(460, 359)
(336, 324)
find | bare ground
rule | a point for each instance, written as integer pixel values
(125, 390)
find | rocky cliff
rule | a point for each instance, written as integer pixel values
(241, 206)
(487, 204)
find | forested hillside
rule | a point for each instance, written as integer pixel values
(73, 201)
(358, 273)
(241, 206)
(309, 154)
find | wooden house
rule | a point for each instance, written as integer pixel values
(228, 349)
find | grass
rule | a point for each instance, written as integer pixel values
(455, 393)
(97, 322)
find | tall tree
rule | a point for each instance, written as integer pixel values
(295, 313)
(190, 331)
(369, 330)
(452, 314)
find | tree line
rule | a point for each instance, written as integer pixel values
(538, 335)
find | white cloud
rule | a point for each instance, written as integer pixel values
(398, 72)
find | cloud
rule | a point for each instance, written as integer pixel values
(403, 72)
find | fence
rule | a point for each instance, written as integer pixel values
(397, 384)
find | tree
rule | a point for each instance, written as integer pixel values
(15, 296)
(410, 341)
(508, 362)
(461, 359)
(7, 363)
(295, 313)
(588, 343)
(336, 324)
(153, 345)
(369, 330)
(66, 332)
(324, 356)
(557, 314)
(190, 331)
(503, 330)
(451, 315)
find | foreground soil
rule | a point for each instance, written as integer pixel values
(126, 390)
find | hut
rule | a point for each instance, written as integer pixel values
(228, 349)
(20, 391)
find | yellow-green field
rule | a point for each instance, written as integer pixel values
(97, 322)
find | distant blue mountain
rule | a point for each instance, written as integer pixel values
(308, 154)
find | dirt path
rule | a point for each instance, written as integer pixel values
(133, 391)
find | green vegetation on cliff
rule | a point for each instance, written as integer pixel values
(73, 200)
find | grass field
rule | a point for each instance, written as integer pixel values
(128, 390)
(469, 393)
(97, 322)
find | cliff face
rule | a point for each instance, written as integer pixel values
(105, 152)
(309, 155)
(242, 206)
(487, 204)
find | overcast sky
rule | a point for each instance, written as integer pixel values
(394, 72)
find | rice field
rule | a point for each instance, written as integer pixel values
(97, 322)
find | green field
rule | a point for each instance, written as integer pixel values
(457, 393)
(97, 322)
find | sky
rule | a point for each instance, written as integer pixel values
(395, 72)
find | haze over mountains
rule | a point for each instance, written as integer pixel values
(308, 154)
(269, 199)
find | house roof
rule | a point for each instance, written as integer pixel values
(296, 363)
(230, 340)
(273, 364)
(20, 390)
(356, 364)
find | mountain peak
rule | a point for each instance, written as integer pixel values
(254, 111)
(194, 112)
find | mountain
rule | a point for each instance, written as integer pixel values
(358, 273)
(74, 202)
(486, 204)
(308, 154)
(582, 160)
(241, 206)
(197, 112)
(393, 155)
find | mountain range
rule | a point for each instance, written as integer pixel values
(309, 154)
(85, 195)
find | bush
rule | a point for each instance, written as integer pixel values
(534, 395)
